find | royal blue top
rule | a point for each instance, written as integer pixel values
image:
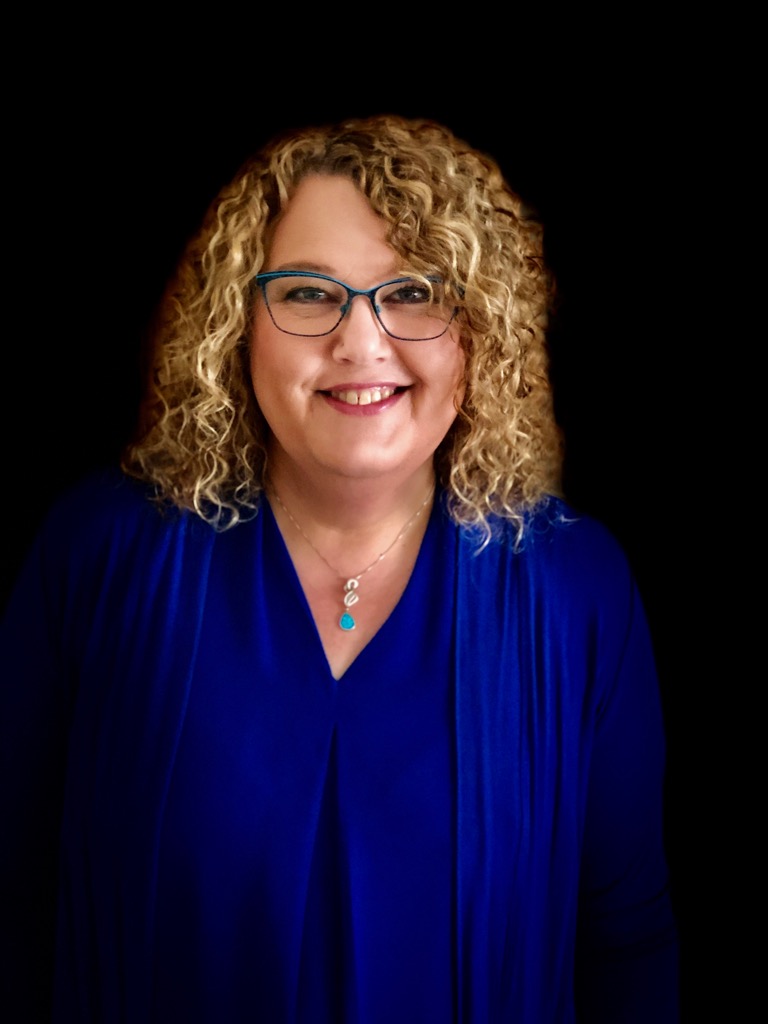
(302, 808)
(465, 827)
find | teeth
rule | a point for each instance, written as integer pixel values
(366, 396)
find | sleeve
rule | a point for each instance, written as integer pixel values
(34, 713)
(627, 953)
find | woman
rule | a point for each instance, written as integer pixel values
(357, 720)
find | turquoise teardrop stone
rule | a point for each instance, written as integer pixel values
(346, 621)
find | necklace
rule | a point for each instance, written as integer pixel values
(351, 597)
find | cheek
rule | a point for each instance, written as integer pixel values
(265, 377)
(461, 365)
(256, 367)
(456, 374)
(264, 353)
(254, 347)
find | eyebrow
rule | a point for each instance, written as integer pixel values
(322, 268)
(308, 265)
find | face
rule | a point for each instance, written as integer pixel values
(356, 402)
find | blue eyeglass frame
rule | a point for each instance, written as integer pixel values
(352, 293)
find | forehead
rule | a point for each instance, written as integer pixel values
(328, 223)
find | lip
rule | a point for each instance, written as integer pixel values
(361, 385)
(367, 408)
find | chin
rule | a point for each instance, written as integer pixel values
(368, 463)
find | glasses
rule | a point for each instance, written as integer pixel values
(313, 305)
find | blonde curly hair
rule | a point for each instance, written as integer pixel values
(201, 438)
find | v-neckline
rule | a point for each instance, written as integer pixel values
(390, 622)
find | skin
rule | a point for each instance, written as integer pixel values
(329, 226)
(355, 416)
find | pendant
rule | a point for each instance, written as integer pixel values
(346, 621)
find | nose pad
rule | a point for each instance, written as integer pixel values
(360, 335)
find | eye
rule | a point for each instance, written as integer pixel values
(307, 295)
(412, 293)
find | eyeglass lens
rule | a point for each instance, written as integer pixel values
(312, 306)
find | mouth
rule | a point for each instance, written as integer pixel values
(364, 396)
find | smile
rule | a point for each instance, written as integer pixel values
(363, 396)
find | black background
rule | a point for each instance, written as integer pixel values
(115, 147)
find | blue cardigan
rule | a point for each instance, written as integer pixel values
(561, 900)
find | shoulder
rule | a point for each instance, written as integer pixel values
(108, 522)
(106, 503)
(558, 535)
(565, 560)
(103, 492)
(555, 535)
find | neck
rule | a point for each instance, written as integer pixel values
(349, 536)
(352, 532)
(352, 507)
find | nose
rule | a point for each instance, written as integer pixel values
(360, 337)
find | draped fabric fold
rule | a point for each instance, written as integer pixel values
(558, 742)
(560, 754)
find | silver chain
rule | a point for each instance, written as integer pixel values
(373, 564)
